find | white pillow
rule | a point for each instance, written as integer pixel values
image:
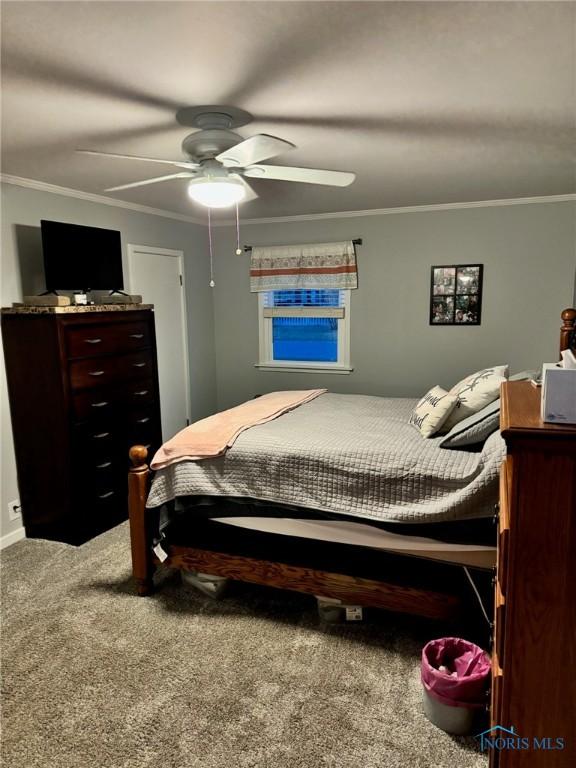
(474, 429)
(433, 410)
(474, 392)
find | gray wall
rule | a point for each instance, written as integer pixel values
(22, 274)
(529, 264)
(527, 250)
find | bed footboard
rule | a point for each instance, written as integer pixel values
(140, 533)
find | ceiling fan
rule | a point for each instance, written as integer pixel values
(219, 160)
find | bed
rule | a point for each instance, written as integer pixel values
(358, 508)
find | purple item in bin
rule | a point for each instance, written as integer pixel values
(465, 680)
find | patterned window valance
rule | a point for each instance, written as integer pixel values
(321, 265)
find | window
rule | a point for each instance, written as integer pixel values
(305, 329)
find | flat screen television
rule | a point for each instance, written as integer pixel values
(81, 258)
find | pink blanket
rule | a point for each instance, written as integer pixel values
(212, 436)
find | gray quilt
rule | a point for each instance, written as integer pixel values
(350, 454)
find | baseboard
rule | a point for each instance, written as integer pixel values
(12, 538)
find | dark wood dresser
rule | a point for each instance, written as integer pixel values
(534, 656)
(83, 388)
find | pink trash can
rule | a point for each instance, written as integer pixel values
(455, 674)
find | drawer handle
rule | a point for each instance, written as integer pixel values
(106, 495)
(139, 365)
(101, 404)
(141, 392)
(104, 465)
(96, 373)
(136, 335)
(100, 435)
(92, 341)
(143, 421)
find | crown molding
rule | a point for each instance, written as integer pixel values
(406, 209)
(43, 186)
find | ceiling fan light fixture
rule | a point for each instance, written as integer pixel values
(214, 192)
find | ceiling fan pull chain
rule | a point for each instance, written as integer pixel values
(212, 283)
(238, 249)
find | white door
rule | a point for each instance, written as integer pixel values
(158, 274)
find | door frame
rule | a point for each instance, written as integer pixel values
(131, 252)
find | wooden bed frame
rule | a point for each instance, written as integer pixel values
(393, 592)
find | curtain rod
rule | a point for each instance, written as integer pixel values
(356, 241)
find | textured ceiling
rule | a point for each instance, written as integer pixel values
(427, 102)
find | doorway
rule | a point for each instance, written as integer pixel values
(158, 275)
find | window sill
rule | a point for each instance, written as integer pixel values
(304, 368)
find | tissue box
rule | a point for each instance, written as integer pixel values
(558, 394)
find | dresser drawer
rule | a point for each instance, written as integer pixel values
(104, 371)
(98, 472)
(106, 339)
(105, 507)
(139, 393)
(499, 623)
(106, 496)
(496, 692)
(143, 434)
(94, 404)
(141, 418)
(99, 442)
(137, 366)
(504, 525)
(94, 372)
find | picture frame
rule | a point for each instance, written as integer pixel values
(456, 294)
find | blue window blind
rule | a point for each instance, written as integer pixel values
(305, 339)
(299, 298)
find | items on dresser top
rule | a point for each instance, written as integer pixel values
(83, 387)
(558, 404)
(568, 359)
(119, 298)
(45, 300)
(78, 299)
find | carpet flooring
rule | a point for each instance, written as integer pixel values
(96, 677)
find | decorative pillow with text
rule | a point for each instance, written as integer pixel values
(474, 392)
(432, 411)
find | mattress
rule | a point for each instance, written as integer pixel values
(348, 455)
(363, 535)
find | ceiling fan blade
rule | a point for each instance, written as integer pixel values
(178, 163)
(250, 193)
(155, 180)
(304, 175)
(254, 149)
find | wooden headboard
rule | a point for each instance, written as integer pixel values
(568, 330)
